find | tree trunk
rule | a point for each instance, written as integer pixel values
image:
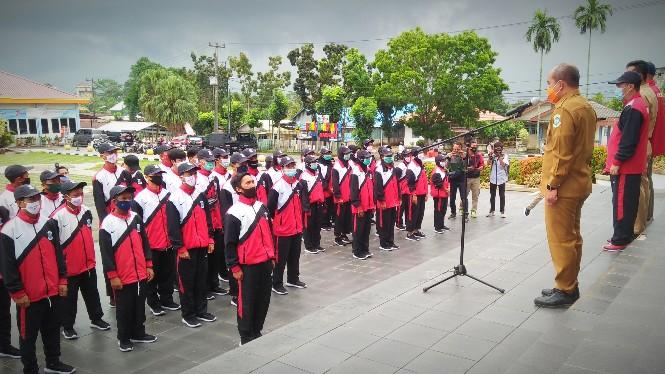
(540, 88)
(588, 65)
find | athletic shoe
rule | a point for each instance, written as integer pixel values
(59, 367)
(446, 228)
(100, 324)
(210, 296)
(326, 228)
(363, 256)
(473, 213)
(340, 242)
(296, 284)
(394, 246)
(503, 215)
(10, 352)
(280, 290)
(527, 211)
(452, 216)
(206, 317)
(491, 214)
(419, 234)
(221, 278)
(175, 289)
(125, 346)
(70, 334)
(613, 248)
(346, 239)
(370, 254)
(191, 322)
(412, 237)
(146, 338)
(111, 302)
(219, 291)
(439, 231)
(400, 227)
(320, 249)
(170, 305)
(377, 234)
(156, 310)
(389, 248)
(312, 251)
(234, 301)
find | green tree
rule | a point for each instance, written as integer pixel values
(364, 112)
(306, 84)
(270, 81)
(237, 114)
(168, 99)
(133, 84)
(357, 76)
(243, 71)
(278, 108)
(330, 67)
(588, 18)
(252, 118)
(611, 102)
(332, 102)
(205, 123)
(108, 92)
(294, 104)
(204, 68)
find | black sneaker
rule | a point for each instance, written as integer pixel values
(412, 237)
(326, 228)
(70, 334)
(446, 228)
(223, 279)
(210, 296)
(558, 299)
(550, 291)
(170, 305)
(59, 367)
(452, 216)
(439, 231)
(527, 211)
(340, 242)
(400, 227)
(362, 256)
(219, 291)
(346, 239)
(146, 338)
(320, 249)
(312, 251)
(386, 248)
(419, 234)
(296, 284)
(156, 310)
(111, 302)
(10, 352)
(234, 301)
(206, 317)
(280, 290)
(191, 322)
(394, 246)
(125, 346)
(100, 324)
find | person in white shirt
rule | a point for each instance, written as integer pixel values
(499, 162)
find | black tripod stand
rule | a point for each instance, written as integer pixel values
(460, 270)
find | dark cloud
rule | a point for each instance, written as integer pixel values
(63, 42)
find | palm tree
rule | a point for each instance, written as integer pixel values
(544, 30)
(589, 18)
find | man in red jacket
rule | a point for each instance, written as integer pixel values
(285, 204)
(325, 171)
(657, 138)
(626, 159)
(74, 222)
(127, 262)
(417, 184)
(341, 175)
(386, 192)
(312, 219)
(362, 204)
(251, 256)
(35, 275)
(440, 189)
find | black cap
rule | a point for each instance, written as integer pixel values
(185, 167)
(651, 68)
(249, 152)
(309, 159)
(368, 142)
(353, 148)
(48, 175)
(287, 160)
(220, 152)
(163, 148)
(26, 190)
(69, 186)
(343, 150)
(117, 190)
(307, 151)
(268, 158)
(205, 155)
(107, 147)
(385, 151)
(277, 153)
(439, 158)
(238, 158)
(151, 170)
(325, 151)
(630, 77)
(363, 153)
(416, 150)
(14, 171)
(132, 161)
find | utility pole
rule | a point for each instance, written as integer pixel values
(215, 82)
(94, 105)
(228, 96)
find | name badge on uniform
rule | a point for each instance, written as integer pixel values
(201, 204)
(49, 235)
(556, 121)
(138, 227)
(89, 222)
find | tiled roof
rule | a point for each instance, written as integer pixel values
(16, 87)
(531, 114)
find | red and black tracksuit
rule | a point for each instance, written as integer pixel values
(5, 300)
(78, 248)
(208, 184)
(362, 207)
(287, 200)
(341, 177)
(260, 181)
(328, 214)
(249, 247)
(228, 197)
(33, 266)
(439, 189)
(125, 251)
(627, 148)
(150, 204)
(403, 185)
(190, 230)
(386, 193)
(134, 179)
(312, 218)
(417, 185)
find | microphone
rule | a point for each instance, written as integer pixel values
(521, 108)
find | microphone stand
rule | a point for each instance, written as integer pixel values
(460, 270)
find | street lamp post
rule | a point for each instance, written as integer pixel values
(214, 83)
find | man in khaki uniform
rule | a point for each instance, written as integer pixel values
(566, 181)
(646, 202)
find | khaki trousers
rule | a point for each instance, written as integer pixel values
(473, 186)
(645, 207)
(562, 222)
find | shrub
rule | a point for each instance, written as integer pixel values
(659, 165)
(421, 143)
(514, 171)
(598, 160)
(6, 137)
(429, 168)
(528, 167)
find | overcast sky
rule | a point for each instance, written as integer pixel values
(62, 42)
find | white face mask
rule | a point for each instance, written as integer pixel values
(226, 162)
(33, 207)
(370, 148)
(112, 158)
(190, 181)
(76, 201)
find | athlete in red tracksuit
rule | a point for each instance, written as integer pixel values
(403, 185)
(253, 170)
(341, 176)
(250, 254)
(440, 189)
(626, 160)
(6, 347)
(325, 171)
(312, 218)
(287, 200)
(126, 257)
(74, 222)
(386, 193)
(35, 275)
(190, 232)
(221, 173)
(132, 173)
(417, 184)
(362, 204)
(150, 205)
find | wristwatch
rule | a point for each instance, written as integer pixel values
(551, 188)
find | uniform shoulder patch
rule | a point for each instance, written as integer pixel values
(556, 121)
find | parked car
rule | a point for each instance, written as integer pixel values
(114, 136)
(221, 140)
(179, 141)
(194, 140)
(83, 137)
(247, 140)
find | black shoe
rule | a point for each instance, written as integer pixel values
(311, 251)
(452, 216)
(361, 256)
(527, 211)
(70, 334)
(550, 291)
(400, 227)
(10, 352)
(219, 291)
(326, 228)
(234, 301)
(296, 284)
(412, 237)
(111, 302)
(223, 279)
(558, 299)
(419, 234)
(340, 242)
(346, 239)
(446, 228)
(191, 322)
(280, 290)
(320, 249)
(394, 246)
(100, 324)
(125, 346)
(206, 317)
(439, 231)
(210, 296)
(59, 367)
(170, 305)
(156, 310)
(146, 338)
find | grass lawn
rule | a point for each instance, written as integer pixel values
(34, 158)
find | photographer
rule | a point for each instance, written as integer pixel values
(475, 162)
(498, 177)
(456, 177)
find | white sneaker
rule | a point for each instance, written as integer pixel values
(503, 215)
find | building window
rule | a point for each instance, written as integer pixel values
(55, 126)
(72, 125)
(13, 126)
(32, 126)
(44, 126)
(22, 126)
(532, 129)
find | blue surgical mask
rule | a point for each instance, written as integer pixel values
(347, 157)
(367, 161)
(290, 172)
(327, 157)
(313, 166)
(388, 159)
(125, 205)
(209, 165)
(242, 169)
(618, 93)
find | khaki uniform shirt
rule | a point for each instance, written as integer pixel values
(569, 148)
(652, 103)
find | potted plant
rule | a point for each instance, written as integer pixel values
(522, 140)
